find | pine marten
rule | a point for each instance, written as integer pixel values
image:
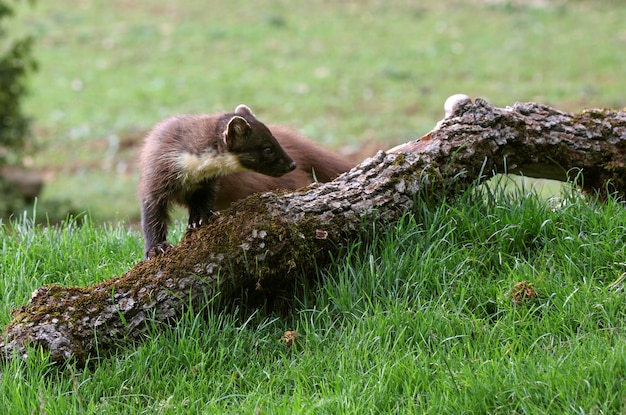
(314, 164)
(183, 158)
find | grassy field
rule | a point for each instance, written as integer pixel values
(344, 73)
(482, 305)
(496, 303)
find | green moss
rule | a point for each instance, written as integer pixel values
(400, 160)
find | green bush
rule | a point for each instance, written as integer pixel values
(16, 62)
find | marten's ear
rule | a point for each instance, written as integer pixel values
(244, 110)
(236, 130)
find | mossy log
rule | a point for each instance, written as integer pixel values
(267, 241)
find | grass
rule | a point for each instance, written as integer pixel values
(421, 319)
(344, 73)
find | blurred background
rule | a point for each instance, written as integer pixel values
(356, 76)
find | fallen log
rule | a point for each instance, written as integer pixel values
(267, 241)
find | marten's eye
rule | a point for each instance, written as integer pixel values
(269, 151)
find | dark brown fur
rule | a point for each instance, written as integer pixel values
(314, 163)
(167, 177)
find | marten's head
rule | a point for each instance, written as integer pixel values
(254, 145)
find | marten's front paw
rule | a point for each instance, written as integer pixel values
(158, 249)
(196, 222)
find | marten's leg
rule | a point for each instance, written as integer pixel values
(155, 217)
(200, 203)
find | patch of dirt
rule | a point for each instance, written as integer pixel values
(523, 292)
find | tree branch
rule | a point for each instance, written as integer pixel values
(266, 241)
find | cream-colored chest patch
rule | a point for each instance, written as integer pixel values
(195, 168)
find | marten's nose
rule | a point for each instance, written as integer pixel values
(292, 166)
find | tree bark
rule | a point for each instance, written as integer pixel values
(266, 241)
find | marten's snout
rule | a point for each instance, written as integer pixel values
(292, 166)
